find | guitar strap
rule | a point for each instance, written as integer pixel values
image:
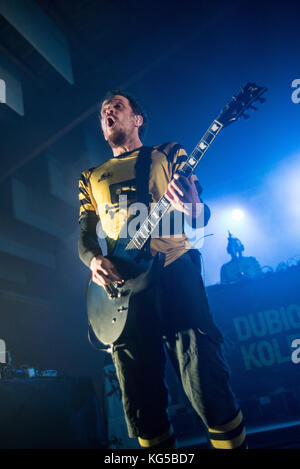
(142, 172)
(142, 175)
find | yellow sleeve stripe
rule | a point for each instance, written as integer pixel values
(230, 444)
(180, 157)
(155, 441)
(85, 198)
(82, 196)
(227, 427)
(181, 152)
(85, 207)
(81, 185)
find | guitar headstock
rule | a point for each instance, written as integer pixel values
(248, 94)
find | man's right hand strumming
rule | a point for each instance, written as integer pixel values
(103, 271)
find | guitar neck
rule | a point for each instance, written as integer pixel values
(200, 149)
(149, 225)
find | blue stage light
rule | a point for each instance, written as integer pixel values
(237, 214)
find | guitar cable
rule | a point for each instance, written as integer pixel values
(202, 261)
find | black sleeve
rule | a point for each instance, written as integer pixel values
(88, 246)
(205, 207)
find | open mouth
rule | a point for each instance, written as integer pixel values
(110, 122)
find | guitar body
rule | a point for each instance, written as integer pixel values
(108, 311)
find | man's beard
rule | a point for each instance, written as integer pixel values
(117, 138)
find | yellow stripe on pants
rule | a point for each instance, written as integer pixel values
(230, 444)
(144, 443)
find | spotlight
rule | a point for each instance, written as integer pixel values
(237, 215)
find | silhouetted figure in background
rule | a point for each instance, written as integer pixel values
(239, 267)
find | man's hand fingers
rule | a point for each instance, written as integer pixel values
(106, 269)
(183, 179)
(178, 187)
(185, 210)
(172, 193)
(103, 270)
(99, 266)
(107, 275)
(113, 275)
(176, 199)
(97, 279)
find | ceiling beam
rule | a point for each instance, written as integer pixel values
(41, 32)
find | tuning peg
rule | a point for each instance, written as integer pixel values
(253, 107)
(245, 116)
(261, 100)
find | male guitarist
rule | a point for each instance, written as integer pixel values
(171, 314)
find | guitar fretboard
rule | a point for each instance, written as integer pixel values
(161, 208)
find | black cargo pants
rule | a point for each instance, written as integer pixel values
(172, 316)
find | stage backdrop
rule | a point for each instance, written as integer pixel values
(259, 319)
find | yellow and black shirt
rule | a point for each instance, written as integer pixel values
(101, 189)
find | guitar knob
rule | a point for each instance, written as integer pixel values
(114, 320)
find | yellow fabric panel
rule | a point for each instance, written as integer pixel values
(85, 196)
(108, 182)
(155, 441)
(230, 444)
(231, 425)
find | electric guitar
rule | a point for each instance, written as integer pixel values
(108, 307)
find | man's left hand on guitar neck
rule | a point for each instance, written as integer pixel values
(183, 195)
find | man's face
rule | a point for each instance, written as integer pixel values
(118, 121)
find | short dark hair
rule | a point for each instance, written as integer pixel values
(135, 106)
